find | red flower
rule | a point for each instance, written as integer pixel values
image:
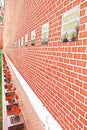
(8, 98)
(5, 63)
(16, 97)
(4, 71)
(8, 77)
(9, 87)
(14, 88)
(4, 60)
(16, 110)
(9, 72)
(11, 103)
(3, 55)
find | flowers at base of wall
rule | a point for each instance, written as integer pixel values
(16, 111)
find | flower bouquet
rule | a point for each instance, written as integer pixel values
(16, 111)
(10, 90)
(9, 86)
(12, 101)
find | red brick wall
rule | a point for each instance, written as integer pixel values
(56, 72)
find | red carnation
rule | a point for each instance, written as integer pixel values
(16, 96)
(11, 103)
(14, 109)
(9, 87)
(17, 111)
(14, 88)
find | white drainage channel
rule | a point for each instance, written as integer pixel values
(47, 119)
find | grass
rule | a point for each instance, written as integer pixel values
(0, 90)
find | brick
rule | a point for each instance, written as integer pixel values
(71, 92)
(77, 102)
(83, 120)
(77, 69)
(83, 78)
(79, 123)
(84, 56)
(81, 49)
(71, 116)
(82, 27)
(71, 79)
(78, 83)
(68, 96)
(86, 115)
(83, 20)
(72, 104)
(82, 12)
(83, 92)
(86, 101)
(81, 63)
(83, 107)
(69, 6)
(77, 56)
(84, 5)
(66, 2)
(76, 88)
(80, 111)
(83, 34)
(75, 125)
(74, 49)
(68, 84)
(76, 2)
(67, 72)
(85, 128)
(69, 67)
(73, 62)
(84, 41)
(85, 85)
(80, 97)
(79, 42)
(74, 75)
(75, 113)
(72, 127)
(84, 71)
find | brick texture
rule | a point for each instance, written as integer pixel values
(56, 72)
